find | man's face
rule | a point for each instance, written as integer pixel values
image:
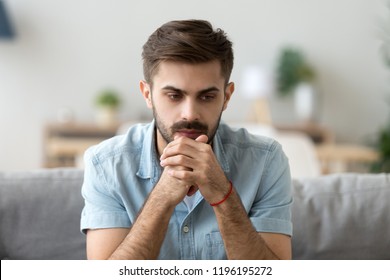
(187, 99)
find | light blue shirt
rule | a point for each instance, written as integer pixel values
(122, 171)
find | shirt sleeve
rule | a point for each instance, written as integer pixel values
(102, 209)
(271, 210)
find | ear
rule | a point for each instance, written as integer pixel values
(228, 94)
(146, 92)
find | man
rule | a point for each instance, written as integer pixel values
(186, 186)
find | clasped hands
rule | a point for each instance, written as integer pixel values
(190, 165)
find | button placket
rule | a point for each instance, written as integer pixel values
(187, 240)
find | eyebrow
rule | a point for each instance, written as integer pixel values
(203, 91)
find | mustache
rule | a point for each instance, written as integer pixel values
(196, 125)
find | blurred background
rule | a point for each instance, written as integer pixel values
(60, 61)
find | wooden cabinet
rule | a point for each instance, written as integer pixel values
(65, 143)
(335, 157)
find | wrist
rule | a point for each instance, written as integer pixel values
(168, 192)
(225, 197)
(162, 200)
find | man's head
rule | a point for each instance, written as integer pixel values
(187, 67)
(189, 41)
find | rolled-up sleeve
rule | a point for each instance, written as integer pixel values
(102, 208)
(271, 211)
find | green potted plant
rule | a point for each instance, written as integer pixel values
(383, 148)
(108, 103)
(382, 141)
(294, 76)
(292, 69)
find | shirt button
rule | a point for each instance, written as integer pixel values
(186, 229)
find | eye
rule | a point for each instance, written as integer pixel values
(207, 97)
(174, 96)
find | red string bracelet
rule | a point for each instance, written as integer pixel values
(226, 196)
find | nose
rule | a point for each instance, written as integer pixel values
(190, 110)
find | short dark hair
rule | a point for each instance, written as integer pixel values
(190, 41)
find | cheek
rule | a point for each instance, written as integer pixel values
(165, 113)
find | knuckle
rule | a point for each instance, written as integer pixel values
(207, 148)
(181, 159)
(181, 146)
(186, 175)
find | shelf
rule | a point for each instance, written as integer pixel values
(65, 143)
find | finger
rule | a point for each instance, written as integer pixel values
(181, 146)
(169, 145)
(178, 160)
(183, 175)
(202, 138)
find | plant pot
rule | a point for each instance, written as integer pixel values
(107, 116)
(305, 102)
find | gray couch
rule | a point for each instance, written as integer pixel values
(344, 216)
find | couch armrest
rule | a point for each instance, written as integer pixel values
(40, 214)
(342, 216)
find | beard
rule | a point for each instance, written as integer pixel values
(168, 133)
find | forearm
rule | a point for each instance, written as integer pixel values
(241, 239)
(147, 233)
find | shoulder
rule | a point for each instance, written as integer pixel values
(241, 138)
(130, 142)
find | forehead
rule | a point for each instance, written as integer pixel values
(183, 74)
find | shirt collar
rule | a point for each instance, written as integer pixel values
(149, 166)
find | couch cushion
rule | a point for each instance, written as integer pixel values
(40, 214)
(342, 216)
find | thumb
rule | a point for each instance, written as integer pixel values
(202, 138)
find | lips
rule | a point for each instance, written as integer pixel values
(189, 129)
(190, 133)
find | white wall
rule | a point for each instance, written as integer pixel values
(66, 51)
